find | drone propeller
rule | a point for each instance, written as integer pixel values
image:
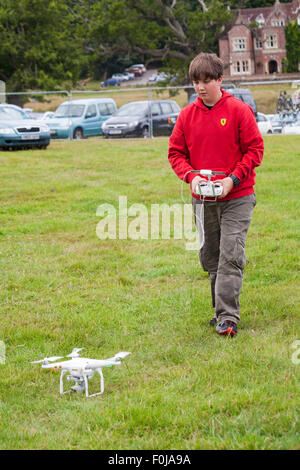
(48, 359)
(74, 353)
(122, 354)
(117, 358)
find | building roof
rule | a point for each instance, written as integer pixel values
(290, 10)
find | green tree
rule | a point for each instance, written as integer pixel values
(39, 49)
(169, 31)
(292, 34)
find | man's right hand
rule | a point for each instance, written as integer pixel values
(196, 181)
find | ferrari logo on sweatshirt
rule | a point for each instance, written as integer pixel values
(223, 121)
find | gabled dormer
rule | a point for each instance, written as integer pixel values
(295, 10)
(278, 16)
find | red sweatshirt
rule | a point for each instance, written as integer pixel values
(224, 138)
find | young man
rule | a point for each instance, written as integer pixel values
(218, 132)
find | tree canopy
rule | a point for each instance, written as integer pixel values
(292, 34)
(46, 44)
(38, 49)
(169, 31)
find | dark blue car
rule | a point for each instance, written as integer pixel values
(111, 82)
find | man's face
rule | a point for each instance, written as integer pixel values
(208, 90)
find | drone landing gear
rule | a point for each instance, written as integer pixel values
(81, 382)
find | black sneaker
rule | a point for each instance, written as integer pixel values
(213, 321)
(227, 328)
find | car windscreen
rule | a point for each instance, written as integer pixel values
(133, 109)
(11, 114)
(69, 110)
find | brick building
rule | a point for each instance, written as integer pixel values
(256, 43)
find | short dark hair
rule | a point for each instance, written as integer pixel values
(206, 66)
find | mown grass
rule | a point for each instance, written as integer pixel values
(265, 96)
(126, 95)
(183, 387)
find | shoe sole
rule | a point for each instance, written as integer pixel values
(229, 331)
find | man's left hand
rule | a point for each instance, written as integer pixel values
(227, 184)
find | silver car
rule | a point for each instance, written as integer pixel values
(18, 131)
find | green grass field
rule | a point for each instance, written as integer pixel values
(183, 387)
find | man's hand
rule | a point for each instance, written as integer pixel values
(227, 184)
(196, 181)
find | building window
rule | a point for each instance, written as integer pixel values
(271, 41)
(240, 66)
(258, 43)
(278, 23)
(245, 67)
(236, 67)
(239, 44)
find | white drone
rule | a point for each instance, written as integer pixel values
(80, 369)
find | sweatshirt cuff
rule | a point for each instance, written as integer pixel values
(190, 176)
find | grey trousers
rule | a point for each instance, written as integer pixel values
(223, 254)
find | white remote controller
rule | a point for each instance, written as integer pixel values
(209, 189)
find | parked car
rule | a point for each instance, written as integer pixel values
(40, 116)
(227, 86)
(134, 119)
(17, 130)
(136, 69)
(129, 75)
(264, 124)
(289, 119)
(47, 115)
(279, 121)
(292, 129)
(276, 123)
(245, 95)
(242, 94)
(153, 77)
(111, 82)
(162, 77)
(121, 77)
(142, 67)
(81, 118)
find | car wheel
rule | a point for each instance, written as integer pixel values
(269, 132)
(78, 133)
(145, 132)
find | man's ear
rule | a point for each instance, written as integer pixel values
(220, 80)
